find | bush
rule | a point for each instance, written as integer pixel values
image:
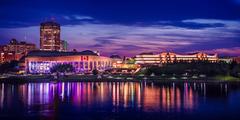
(9, 67)
(95, 72)
(62, 68)
(196, 67)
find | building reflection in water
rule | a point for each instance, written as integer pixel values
(140, 96)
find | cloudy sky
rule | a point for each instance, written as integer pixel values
(129, 27)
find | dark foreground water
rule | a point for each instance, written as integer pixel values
(120, 100)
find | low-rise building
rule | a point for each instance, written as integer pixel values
(19, 47)
(9, 56)
(116, 60)
(83, 62)
(15, 50)
(237, 59)
(226, 59)
(169, 57)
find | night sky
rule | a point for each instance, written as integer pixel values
(129, 27)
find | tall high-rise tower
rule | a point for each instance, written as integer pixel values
(50, 36)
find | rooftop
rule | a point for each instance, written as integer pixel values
(50, 23)
(115, 56)
(16, 42)
(39, 53)
(146, 53)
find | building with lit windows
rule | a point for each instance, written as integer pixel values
(117, 60)
(236, 59)
(226, 59)
(15, 50)
(9, 56)
(19, 47)
(83, 62)
(64, 46)
(50, 36)
(169, 57)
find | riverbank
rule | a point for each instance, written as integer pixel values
(114, 78)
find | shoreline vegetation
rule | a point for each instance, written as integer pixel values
(194, 71)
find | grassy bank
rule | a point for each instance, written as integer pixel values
(226, 78)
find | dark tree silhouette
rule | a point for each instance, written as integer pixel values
(95, 72)
(7, 67)
(196, 67)
(62, 68)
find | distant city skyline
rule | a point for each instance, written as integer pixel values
(129, 27)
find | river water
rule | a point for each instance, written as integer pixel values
(120, 101)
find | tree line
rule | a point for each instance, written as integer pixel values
(196, 67)
(7, 67)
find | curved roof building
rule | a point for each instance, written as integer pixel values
(85, 61)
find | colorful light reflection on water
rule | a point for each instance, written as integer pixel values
(51, 100)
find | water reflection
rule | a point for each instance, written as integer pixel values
(113, 96)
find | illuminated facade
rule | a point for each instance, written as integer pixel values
(226, 59)
(9, 56)
(50, 36)
(169, 57)
(19, 47)
(63, 46)
(83, 62)
(15, 50)
(117, 60)
(237, 59)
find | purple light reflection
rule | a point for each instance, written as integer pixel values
(89, 95)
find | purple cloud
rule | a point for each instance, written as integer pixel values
(133, 39)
